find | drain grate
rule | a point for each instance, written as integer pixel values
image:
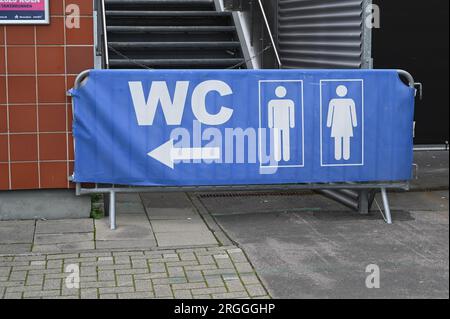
(254, 194)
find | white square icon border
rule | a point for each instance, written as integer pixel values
(362, 125)
(302, 165)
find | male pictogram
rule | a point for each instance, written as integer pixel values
(281, 121)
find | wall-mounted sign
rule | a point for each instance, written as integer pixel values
(24, 12)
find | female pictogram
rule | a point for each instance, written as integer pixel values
(342, 119)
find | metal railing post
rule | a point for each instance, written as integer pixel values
(112, 210)
(387, 208)
(266, 22)
(363, 202)
(105, 35)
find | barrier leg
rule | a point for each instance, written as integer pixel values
(387, 208)
(363, 202)
(112, 210)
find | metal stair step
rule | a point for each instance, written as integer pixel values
(160, 2)
(203, 5)
(169, 45)
(175, 62)
(150, 29)
(209, 4)
(175, 14)
(168, 34)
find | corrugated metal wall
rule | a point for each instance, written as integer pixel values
(323, 34)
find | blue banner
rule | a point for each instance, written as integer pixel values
(242, 127)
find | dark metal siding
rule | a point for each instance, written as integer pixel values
(414, 37)
(322, 33)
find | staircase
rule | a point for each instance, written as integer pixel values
(170, 34)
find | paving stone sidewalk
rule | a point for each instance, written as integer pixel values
(163, 248)
(145, 221)
(200, 273)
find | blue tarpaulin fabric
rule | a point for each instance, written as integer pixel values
(242, 127)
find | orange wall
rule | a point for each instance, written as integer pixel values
(38, 65)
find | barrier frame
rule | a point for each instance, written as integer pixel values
(357, 196)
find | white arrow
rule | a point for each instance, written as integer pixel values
(167, 154)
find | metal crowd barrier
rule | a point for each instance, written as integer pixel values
(357, 196)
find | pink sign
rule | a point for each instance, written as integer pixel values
(22, 5)
(24, 11)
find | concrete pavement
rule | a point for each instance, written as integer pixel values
(321, 253)
(145, 221)
(432, 170)
(40, 204)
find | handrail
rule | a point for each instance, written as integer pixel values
(408, 77)
(414, 85)
(105, 35)
(84, 74)
(80, 78)
(266, 22)
(99, 27)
